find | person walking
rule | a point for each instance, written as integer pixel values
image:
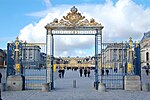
(59, 71)
(88, 71)
(115, 69)
(102, 71)
(85, 71)
(63, 72)
(147, 71)
(80, 71)
(107, 71)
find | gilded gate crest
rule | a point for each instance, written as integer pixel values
(73, 19)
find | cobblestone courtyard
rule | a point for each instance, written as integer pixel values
(84, 91)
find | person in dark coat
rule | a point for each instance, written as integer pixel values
(107, 71)
(81, 72)
(115, 70)
(59, 71)
(147, 71)
(88, 71)
(102, 71)
(63, 72)
(85, 71)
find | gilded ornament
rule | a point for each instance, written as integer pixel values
(73, 19)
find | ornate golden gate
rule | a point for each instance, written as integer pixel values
(72, 24)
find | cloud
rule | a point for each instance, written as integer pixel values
(43, 13)
(121, 20)
(47, 3)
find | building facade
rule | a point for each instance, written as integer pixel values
(145, 50)
(75, 62)
(114, 55)
(33, 57)
(2, 58)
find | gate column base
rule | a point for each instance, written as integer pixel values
(46, 87)
(15, 83)
(132, 82)
(101, 87)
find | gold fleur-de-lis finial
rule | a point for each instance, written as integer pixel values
(131, 38)
(17, 38)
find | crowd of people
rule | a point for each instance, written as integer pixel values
(102, 71)
(85, 71)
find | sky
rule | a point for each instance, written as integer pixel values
(26, 19)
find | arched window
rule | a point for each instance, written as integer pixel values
(147, 56)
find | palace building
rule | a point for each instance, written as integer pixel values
(75, 62)
(114, 54)
(145, 50)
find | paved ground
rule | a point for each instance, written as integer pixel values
(145, 78)
(64, 91)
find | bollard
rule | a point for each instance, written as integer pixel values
(45, 87)
(74, 83)
(145, 87)
(101, 87)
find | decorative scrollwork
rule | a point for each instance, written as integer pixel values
(73, 19)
